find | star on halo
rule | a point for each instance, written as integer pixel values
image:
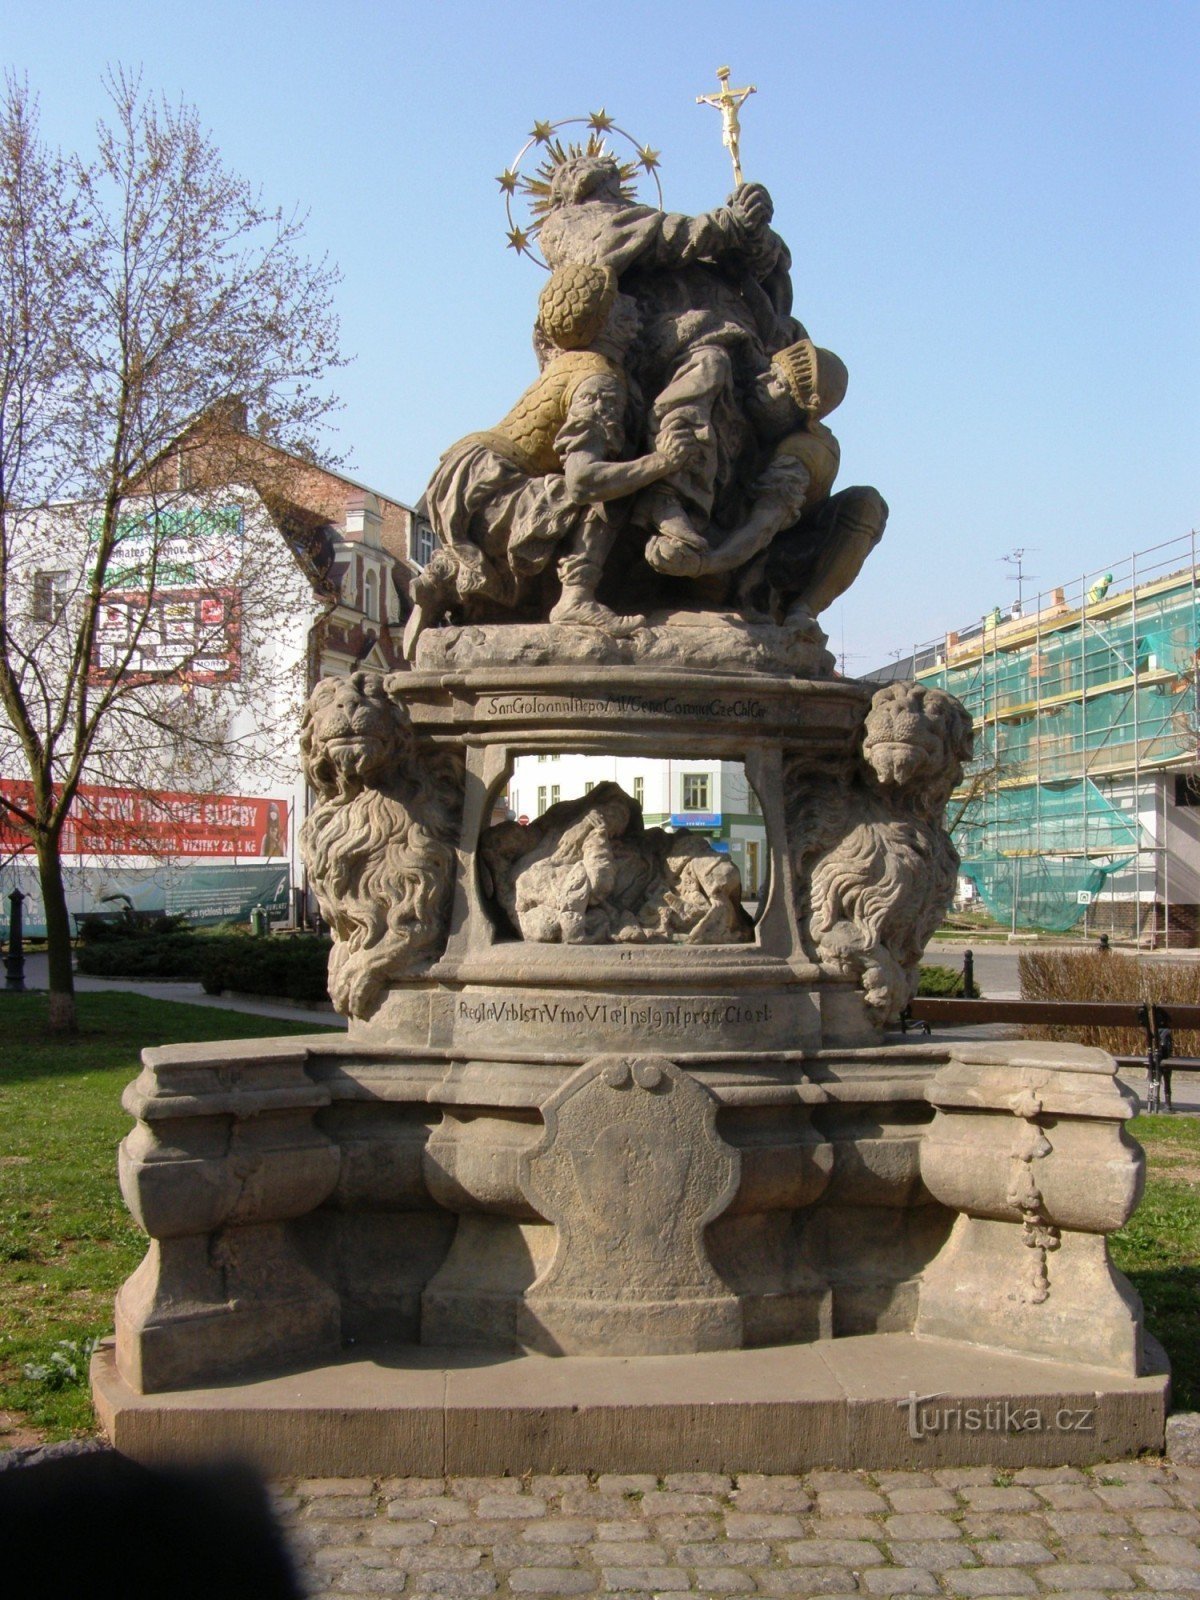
(518, 240)
(541, 132)
(508, 181)
(649, 158)
(601, 121)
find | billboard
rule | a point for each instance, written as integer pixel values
(124, 822)
(171, 605)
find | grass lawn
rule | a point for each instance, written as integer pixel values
(66, 1239)
(67, 1242)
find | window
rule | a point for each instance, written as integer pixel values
(51, 590)
(541, 806)
(555, 793)
(588, 787)
(750, 887)
(371, 595)
(543, 758)
(752, 804)
(639, 791)
(422, 543)
(695, 791)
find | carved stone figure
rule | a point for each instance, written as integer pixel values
(877, 861)
(378, 844)
(504, 502)
(586, 872)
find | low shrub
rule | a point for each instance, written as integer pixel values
(942, 983)
(142, 955)
(294, 968)
(1100, 975)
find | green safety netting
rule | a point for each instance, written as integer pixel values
(1050, 894)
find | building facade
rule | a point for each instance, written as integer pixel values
(1081, 807)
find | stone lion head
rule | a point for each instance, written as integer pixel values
(352, 730)
(917, 738)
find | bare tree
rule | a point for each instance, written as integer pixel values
(149, 302)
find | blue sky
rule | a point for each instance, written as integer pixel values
(992, 209)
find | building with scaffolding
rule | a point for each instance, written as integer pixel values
(1082, 803)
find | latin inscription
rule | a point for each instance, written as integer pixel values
(744, 709)
(681, 1016)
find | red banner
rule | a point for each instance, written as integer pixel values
(122, 822)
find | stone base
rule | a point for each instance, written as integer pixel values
(856, 1402)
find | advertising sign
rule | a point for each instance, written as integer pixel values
(122, 822)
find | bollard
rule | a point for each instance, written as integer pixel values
(1104, 947)
(14, 961)
(968, 975)
(258, 922)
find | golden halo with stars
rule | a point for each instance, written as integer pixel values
(546, 138)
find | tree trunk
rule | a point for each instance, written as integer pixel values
(58, 934)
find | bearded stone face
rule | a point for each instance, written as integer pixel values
(352, 728)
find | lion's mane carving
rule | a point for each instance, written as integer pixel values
(876, 861)
(378, 843)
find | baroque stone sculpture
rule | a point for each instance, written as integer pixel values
(587, 1105)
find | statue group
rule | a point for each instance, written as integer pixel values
(672, 451)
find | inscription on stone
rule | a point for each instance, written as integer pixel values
(711, 708)
(647, 1016)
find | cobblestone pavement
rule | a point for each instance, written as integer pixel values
(1128, 1528)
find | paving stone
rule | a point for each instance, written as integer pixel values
(1160, 1520)
(1150, 1470)
(1170, 1580)
(806, 1580)
(443, 1558)
(834, 1552)
(508, 1505)
(369, 1582)
(551, 1485)
(922, 1499)
(680, 1530)
(1012, 1553)
(727, 1581)
(617, 1483)
(474, 1488)
(310, 1488)
(994, 1498)
(848, 1527)
(450, 1585)
(902, 1480)
(1004, 1525)
(1043, 1475)
(437, 1509)
(1069, 1496)
(831, 1501)
(644, 1553)
(1068, 1575)
(698, 1483)
(920, 1526)
(337, 1508)
(938, 1555)
(412, 1488)
(990, 1581)
(560, 1530)
(1132, 1495)
(631, 1527)
(757, 1493)
(722, 1552)
(762, 1525)
(398, 1534)
(1069, 1522)
(1172, 1550)
(591, 1503)
(516, 1553)
(837, 1480)
(667, 1500)
(899, 1581)
(1101, 1550)
(477, 1532)
(964, 1477)
(616, 1579)
(551, 1580)
(344, 1555)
